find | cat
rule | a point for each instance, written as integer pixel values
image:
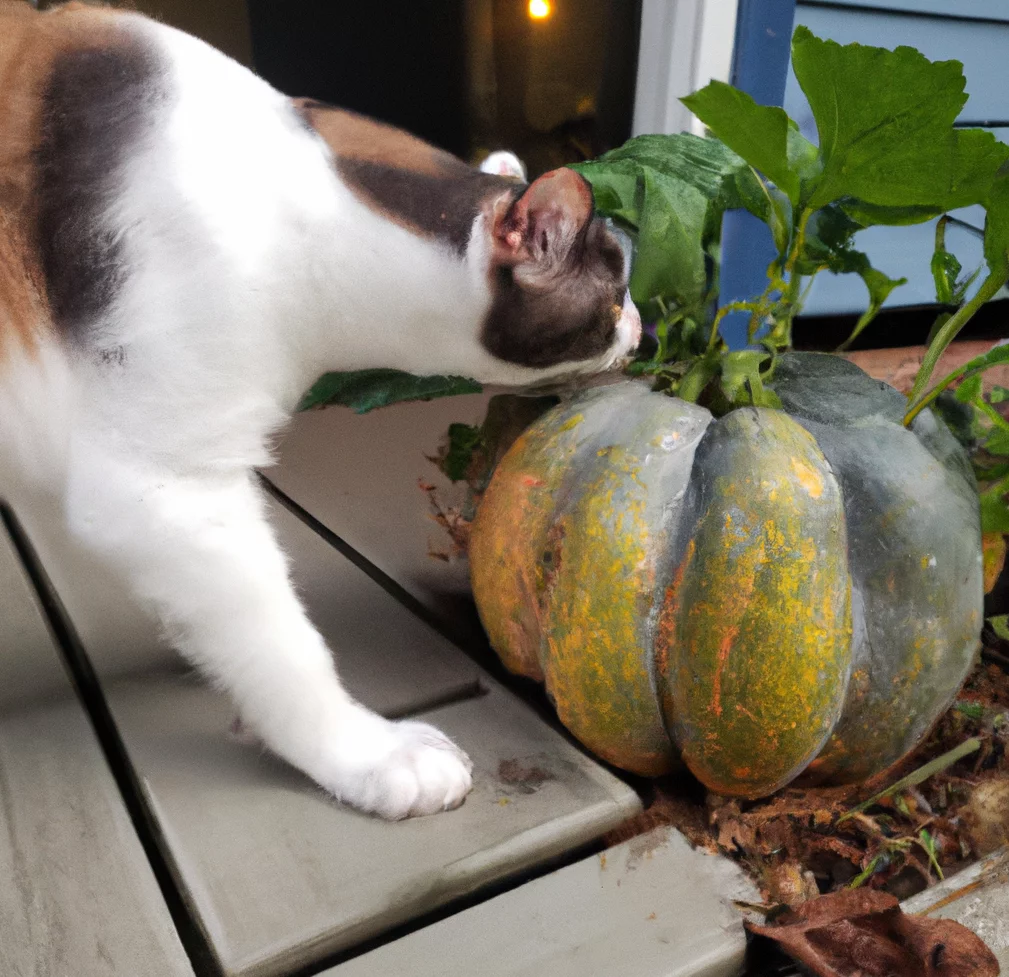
(183, 252)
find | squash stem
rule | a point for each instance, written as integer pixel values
(946, 335)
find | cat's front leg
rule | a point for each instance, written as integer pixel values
(200, 550)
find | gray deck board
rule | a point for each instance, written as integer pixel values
(78, 896)
(978, 897)
(358, 474)
(276, 872)
(279, 874)
(652, 907)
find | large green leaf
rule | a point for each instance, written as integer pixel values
(365, 390)
(885, 124)
(670, 254)
(708, 165)
(671, 190)
(759, 133)
(616, 187)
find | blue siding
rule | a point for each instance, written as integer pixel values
(759, 66)
(983, 9)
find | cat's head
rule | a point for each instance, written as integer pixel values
(533, 286)
(558, 280)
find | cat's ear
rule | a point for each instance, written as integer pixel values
(545, 222)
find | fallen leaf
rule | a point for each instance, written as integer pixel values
(864, 933)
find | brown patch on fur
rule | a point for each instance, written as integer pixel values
(32, 45)
(23, 308)
(412, 183)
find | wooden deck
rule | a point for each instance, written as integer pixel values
(161, 844)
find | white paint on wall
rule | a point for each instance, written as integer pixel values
(684, 44)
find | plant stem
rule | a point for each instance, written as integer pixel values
(946, 335)
(721, 314)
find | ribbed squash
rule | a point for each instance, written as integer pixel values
(767, 594)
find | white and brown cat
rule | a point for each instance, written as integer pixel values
(183, 251)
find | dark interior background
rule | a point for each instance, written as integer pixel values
(470, 76)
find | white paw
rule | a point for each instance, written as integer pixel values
(397, 770)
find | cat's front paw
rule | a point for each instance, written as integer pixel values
(400, 770)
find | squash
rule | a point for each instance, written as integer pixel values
(764, 595)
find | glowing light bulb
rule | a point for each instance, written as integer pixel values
(540, 9)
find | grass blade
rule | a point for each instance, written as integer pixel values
(918, 776)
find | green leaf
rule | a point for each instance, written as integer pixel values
(969, 390)
(877, 862)
(463, 441)
(703, 370)
(869, 215)
(758, 133)
(996, 228)
(670, 255)
(972, 710)
(997, 442)
(994, 511)
(827, 244)
(998, 394)
(672, 190)
(945, 271)
(1000, 625)
(706, 164)
(928, 843)
(615, 187)
(779, 219)
(365, 390)
(885, 122)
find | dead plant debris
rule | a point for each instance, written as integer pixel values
(863, 933)
(897, 833)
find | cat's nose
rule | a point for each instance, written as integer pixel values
(629, 325)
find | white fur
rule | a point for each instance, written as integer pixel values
(503, 163)
(253, 270)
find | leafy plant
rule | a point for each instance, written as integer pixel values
(888, 154)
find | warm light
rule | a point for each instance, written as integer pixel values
(540, 9)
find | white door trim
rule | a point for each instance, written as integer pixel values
(684, 44)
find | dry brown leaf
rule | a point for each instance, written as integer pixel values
(788, 884)
(863, 933)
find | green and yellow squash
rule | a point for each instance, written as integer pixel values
(762, 595)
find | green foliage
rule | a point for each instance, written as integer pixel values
(759, 133)
(463, 441)
(364, 390)
(671, 192)
(950, 288)
(888, 154)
